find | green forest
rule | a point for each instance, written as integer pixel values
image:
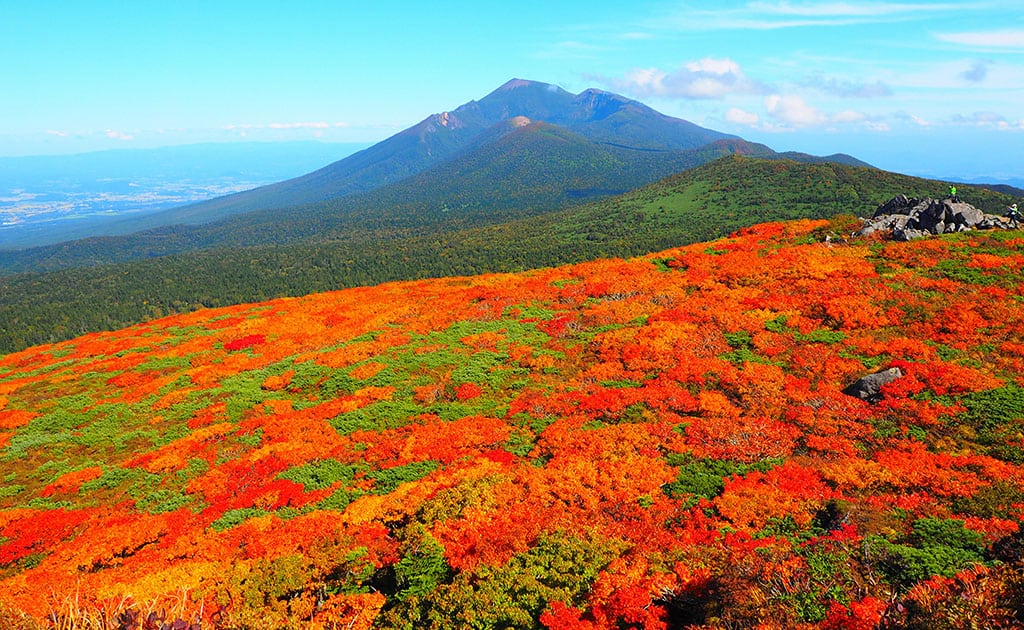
(336, 248)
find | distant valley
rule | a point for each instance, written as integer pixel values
(47, 199)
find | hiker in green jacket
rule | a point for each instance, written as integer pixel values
(952, 194)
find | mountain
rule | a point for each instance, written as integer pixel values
(698, 204)
(1006, 189)
(526, 148)
(600, 117)
(517, 169)
(658, 442)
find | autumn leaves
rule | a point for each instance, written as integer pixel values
(640, 443)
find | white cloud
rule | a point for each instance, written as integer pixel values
(983, 119)
(784, 14)
(1009, 38)
(715, 66)
(644, 81)
(793, 110)
(118, 135)
(857, 9)
(284, 125)
(742, 117)
(848, 116)
(299, 125)
(59, 134)
(707, 78)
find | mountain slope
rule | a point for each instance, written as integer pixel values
(518, 170)
(695, 205)
(661, 441)
(597, 116)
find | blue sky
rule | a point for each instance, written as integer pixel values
(933, 87)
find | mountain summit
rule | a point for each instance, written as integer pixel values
(598, 116)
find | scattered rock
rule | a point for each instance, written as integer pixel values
(992, 222)
(869, 387)
(900, 204)
(909, 234)
(907, 218)
(965, 214)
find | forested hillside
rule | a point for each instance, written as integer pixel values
(532, 170)
(660, 442)
(390, 241)
(599, 117)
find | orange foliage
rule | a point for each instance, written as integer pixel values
(749, 502)
(348, 612)
(68, 483)
(14, 418)
(677, 421)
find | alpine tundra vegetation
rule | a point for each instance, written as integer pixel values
(663, 441)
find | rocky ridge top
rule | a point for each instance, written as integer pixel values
(909, 218)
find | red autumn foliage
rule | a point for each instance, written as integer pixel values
(654, 443)
(242, 343)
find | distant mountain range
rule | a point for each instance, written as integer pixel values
(599, 117)
(601, 122)
(519, 193)
(524, 149)
(697, 204)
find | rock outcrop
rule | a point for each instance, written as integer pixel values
(908, 218)
(869, 387)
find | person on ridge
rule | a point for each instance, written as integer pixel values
(952, 194)
(1013, 216)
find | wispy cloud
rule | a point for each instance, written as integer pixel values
(118, 135)
(59, 134)
(762, 15)
(911, 118)
(977, 72)
(986, 119)
(848, 116)
(742, 117)
(1012, 39)
(848, 89)
(707, 78)
(571, 49)
(857, 9)
(285, 125)
(299, 125)
(637, 35)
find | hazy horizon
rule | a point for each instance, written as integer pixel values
(928, 88)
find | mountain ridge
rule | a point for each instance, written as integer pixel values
(699, 204)
(516, 171)
(441, 136)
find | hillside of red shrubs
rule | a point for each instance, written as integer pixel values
(661, 442)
